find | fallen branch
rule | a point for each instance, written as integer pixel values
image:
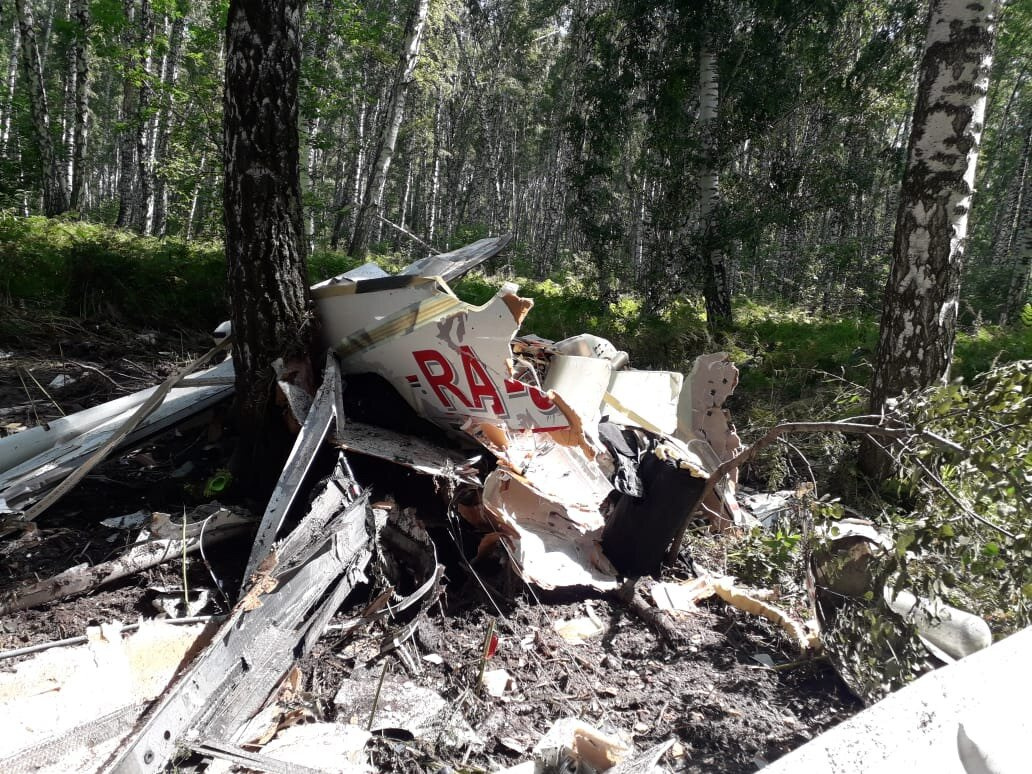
(785, 428)
(141, 556)
(409, 234)
(660, 621)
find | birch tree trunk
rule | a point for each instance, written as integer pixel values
(435, 173)
(716, 290)
(1021, 242)
(191, 217)
(163, 128)
(126, 159)
(55, 197)
(264, 229)
(144, 194)
(919, 316)
(80, 12)
(11, 81)
(373, 201)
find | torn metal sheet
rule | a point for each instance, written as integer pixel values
(35, 460)
(701, 412)
(582, 381)
(536, 405)
(647, 399)
(450, 360)
(410, 451)
(285, 609)
(66, 708)
(547, 546)
(313, 432)
(452, 265)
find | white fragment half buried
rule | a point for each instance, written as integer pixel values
(67, 708)
(403, 706)
(337, 748)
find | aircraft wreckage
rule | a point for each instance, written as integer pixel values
(598, 464)
(580, 468)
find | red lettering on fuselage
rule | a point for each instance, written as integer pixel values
(479, 390)
(481, 387)
(440, 379)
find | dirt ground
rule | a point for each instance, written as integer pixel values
(715, 693)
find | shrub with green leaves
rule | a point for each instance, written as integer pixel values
(968, 536)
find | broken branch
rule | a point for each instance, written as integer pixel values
(845, 426)
(409, 234)
(141, 556)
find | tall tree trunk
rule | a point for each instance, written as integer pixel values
(435, 173)
(267, 274)
(349, 194)
(144, 194)
(80, 11)
(55, 197)
(10, 83)
(373, 200)
(716, 288)
(191, 217)
(163, 128)
(126, 168)
(1021, 243)
(919, 316)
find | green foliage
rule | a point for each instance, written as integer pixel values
(790, 351)
(982, 349)
(968, 535)
(92, 270)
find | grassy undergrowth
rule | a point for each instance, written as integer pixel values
(788, 358)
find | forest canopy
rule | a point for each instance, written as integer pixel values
(630, 144)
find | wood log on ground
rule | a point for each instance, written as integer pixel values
(140, 556)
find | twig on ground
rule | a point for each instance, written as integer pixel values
(32, 401)
(87, 367)
(44, 391)
(376, 696)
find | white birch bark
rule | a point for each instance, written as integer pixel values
(1021, 242)
(55, 196)
(919, 317)
(717, 288)
(10, 82)
(80, 11)
(163, 127)
(373, 201)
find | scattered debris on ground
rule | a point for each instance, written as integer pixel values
(453, 571)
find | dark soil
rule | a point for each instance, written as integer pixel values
(727, 711)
